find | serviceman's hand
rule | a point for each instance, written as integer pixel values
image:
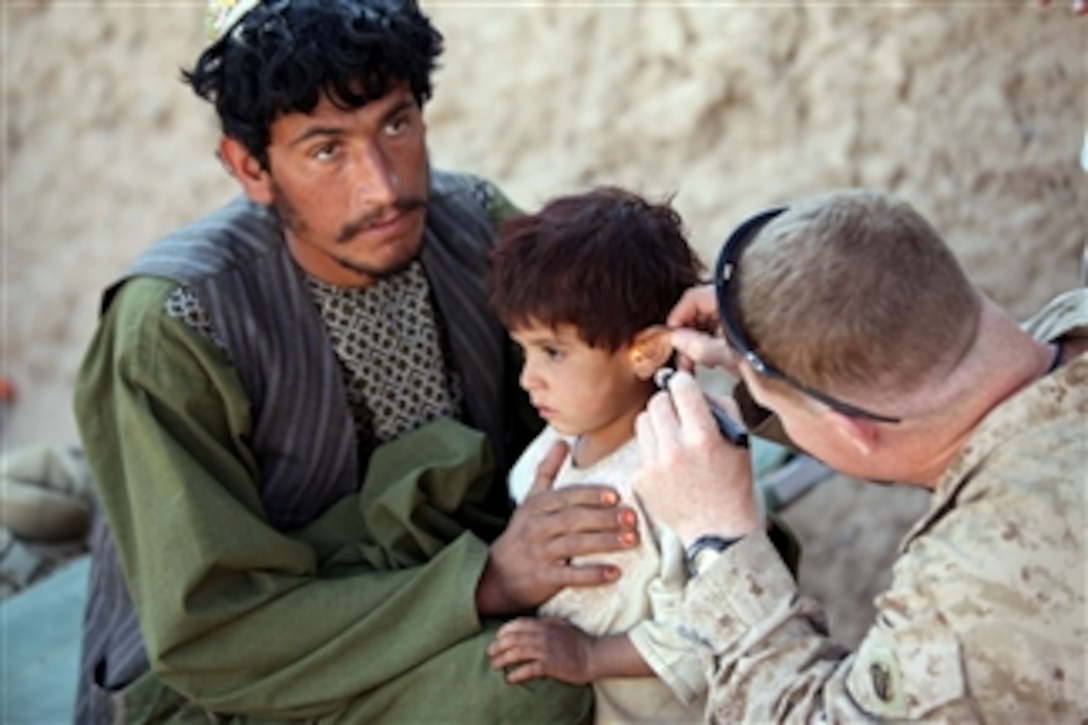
(529, 562)
(692, 478)
(697, 332)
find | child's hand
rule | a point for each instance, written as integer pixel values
(542, 647)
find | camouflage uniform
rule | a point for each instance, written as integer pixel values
(985, 618)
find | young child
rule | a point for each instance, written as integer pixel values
(584, 287)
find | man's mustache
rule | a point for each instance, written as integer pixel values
(401, 206)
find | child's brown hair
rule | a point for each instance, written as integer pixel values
(607, 261)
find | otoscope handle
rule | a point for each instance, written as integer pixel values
(729, 428)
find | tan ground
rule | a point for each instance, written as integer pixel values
(975, 111)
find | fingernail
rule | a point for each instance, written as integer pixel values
(629, 538)
(610, 498)
(627, 518)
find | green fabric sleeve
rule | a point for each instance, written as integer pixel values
(236, 615)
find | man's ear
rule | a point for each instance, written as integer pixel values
(244, 166)
(651, 349)
(861, 434)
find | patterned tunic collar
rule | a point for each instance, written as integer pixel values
(388, 342)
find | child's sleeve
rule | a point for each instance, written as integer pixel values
(677, 660)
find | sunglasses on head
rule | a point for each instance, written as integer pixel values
(726, 285)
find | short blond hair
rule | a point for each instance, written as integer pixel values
(855, 291)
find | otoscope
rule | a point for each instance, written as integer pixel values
(729, 428)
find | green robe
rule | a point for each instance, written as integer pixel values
(329, 622)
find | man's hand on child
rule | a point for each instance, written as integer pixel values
(530, 561)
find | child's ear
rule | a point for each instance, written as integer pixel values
(651, 349)
(244, 166)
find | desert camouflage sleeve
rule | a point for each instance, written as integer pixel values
(984, 618)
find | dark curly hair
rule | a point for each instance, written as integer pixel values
(606, 261)
(285, 55)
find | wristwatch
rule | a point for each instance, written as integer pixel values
(705, 549)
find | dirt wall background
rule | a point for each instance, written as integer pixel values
(974, 111)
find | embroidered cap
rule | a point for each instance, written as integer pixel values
(222, 15)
